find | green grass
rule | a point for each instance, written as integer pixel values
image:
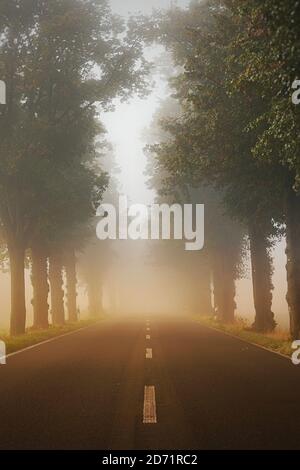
(32, 336)
(278, 341)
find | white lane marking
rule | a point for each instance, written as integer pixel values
(149, 413)
(149, 353)
(148, 337)
(231, 335)
(148, 329)
(55, 338)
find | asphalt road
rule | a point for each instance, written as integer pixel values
(208, 391)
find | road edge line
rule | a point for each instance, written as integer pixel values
(50, 340)
(260, 346)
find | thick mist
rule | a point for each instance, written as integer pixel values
(136, 280)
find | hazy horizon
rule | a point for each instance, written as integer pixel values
(125, 128)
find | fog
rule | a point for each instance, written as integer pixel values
(125, 129)
(133, 282)
(124, 7)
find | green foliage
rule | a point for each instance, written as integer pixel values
(63, 62)
(229, 116)
(269, 61)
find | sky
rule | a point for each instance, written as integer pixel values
(126, 124)
(123, 7)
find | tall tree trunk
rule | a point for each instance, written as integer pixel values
(40, 286)
(56, 289)
(95, 298)
(223, 268)
(18, 304)
(262, 270)
(70, 265)
(293, 261)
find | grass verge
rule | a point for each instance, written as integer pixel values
(33, 336)
(277, 341)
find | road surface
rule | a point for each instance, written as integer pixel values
(167, 384)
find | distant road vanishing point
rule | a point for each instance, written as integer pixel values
(97, 389)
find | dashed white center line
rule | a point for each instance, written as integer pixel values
(149, 413)
(149, 353)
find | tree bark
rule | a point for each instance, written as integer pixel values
(70, 265)
(293, 261)
(40, 286)
(18, 304)
(262, 270)
(223, 270)
(56, 289)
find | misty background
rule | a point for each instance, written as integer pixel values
(132, 284)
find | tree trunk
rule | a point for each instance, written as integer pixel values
(18, 304)
(70, 265)
(293, 261)
(56, 289)
(223, 269)
(40, 286)
(262, 270)
(95, 298)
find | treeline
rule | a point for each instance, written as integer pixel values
(236, 138)
(63, 62)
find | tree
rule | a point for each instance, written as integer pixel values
(169, 174)
(218, 150)
(97, 257)
(59, 59)
(40, 285)
(270, 63)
